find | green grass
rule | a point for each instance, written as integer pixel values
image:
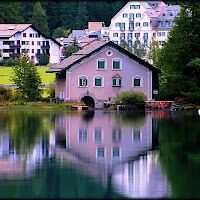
(7, 72)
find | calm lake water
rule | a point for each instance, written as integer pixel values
(101, 154)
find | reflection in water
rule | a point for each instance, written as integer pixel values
(52, 155)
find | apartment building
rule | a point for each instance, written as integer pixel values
(143, 20)
(17, 38)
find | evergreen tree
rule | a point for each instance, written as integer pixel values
(44, 59)
(39, 18)
(81, 17)
(9, 12)
(125, 45)
(182, 46)
(27, 79)
(69, 50)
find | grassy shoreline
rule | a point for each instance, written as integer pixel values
(38, 104)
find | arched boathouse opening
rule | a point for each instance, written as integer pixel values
(89, 101)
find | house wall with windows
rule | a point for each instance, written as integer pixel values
(143, 19)
(107, 142)
(17, 38)
(104, 76)
(102, 70)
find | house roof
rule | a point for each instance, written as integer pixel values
(8, 30)
(92, 48)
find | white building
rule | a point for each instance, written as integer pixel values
(16, 38)
(143, 19)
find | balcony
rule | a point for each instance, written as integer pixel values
(14, 46)
(145, 37)
(11, 54)
(45, 47)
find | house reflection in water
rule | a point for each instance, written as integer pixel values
(104, 137)
(114, 147)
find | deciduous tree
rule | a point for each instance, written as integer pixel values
(27, 79)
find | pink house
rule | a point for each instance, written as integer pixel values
(100, 71)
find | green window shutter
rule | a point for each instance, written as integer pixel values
(80, 82)
(115, 64)
(101, 65)
(120, 82)
(114, 81)
(97, 82)
(136, 82)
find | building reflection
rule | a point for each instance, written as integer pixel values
(111, 147)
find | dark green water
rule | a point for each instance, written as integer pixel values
(101, 154)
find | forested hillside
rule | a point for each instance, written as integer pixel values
(62, 13)
(67, 14)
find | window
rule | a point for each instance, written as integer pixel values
(131, 16)
(158, 34)
(125, 15)
(115, 152)
(32, 50)
(137, 35)
(116, 135)
(122, 26)
(24, 34)
(82, 136)
(33, 43)
(100, 153)
(130, 43)
(138, 15)
(117, 81)
(134, 6)
(83, 81)
(63, 95)
(137, 81)
(116, 64)
(98, 135)
(130, 35)
(115, 34)
(36, 35)
(145, 24)
(98, 81)
(31, 35)
(38, 43)
(101, 64)
(163, 33)
(23, 42)
(145, 43)
(117, 24)
(145, 36)
(122, 36)
(60, 95)
(136, 137)
(137, 24)
(131, 26)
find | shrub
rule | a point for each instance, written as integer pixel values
(51, 90)
(192, 97)
(44, 59)
(5, 93)
(131, 98)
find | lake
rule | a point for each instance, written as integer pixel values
(99, 154)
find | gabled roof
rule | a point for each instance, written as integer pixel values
(89, 50)
(8, 30)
